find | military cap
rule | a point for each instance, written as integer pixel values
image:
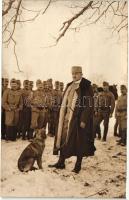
(44, 82)
(25, 82)
(50, 80)
(6, 80)
(18, 81)
(123, 87)
(31, 82)
(105, 83)
(76, 69)
(61, 83)
(38, 81)
(57, 82)
(94, 85)
(13, 80)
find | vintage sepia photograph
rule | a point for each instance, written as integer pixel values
(64, 89)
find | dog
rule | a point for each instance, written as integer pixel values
(33, 152)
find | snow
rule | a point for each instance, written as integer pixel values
(102, 176)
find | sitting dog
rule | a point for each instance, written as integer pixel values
(33, 152)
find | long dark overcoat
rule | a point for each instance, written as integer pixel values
(80, 140)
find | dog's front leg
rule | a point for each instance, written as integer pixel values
(39, 162)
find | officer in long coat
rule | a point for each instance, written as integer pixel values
(12, 103)
(75, 128)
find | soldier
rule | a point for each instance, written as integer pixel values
(121, 115)
(105, 108)
(12, 103)
(19, 125)
(49, 92)
(31, 85)
(74, 136)
(26, 112)
(57, 97)
(40, 108)
(61, 87)
(96, 93)
(19, 84)
(5, 82)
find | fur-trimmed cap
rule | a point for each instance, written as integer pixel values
(76, 69)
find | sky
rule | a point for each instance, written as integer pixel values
(101, 55)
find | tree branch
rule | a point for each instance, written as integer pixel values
(67, 23)
(4, 12)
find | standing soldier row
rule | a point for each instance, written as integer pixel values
(24, 110)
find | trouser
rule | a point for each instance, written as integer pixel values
(124, 136)
(122, 122)
(11, 133)
(102, 116)
(3, 127)
(116, 126)
(26, 121)
(39, 119)
(53, 121)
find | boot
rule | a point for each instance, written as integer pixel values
(60, 164)
(77, 167)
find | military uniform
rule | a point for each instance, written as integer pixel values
(104, 109)
(54, 114)
(40, 108)
(26, 112)
(12, 103)
(61, 87)
(5, 82)
(121, 115)
(19, 125)
(96, 94)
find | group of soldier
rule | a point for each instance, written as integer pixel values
(25, 109)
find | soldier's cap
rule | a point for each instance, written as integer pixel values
(61, 83)
(38, 81)
(94, 85)
(18, 81)
(57, 82)
(105, 83)
(50, 80)
(31, 82)
(76, 69)
(44, 82)
(123, 87)
(6, 80)
(13, 80)
(26, 82)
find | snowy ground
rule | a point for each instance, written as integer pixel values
(102, 176)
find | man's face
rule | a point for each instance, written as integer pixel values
(123, 91)
(40, 86)
(57, 86)
(14, 86)
(5, 83)
(76, 76)
(105, 88)
(26, 86)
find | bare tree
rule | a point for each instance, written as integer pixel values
(13, 13)
(95, 11)
(86, 13)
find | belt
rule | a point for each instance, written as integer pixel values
(122, 109)
(42, 108)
